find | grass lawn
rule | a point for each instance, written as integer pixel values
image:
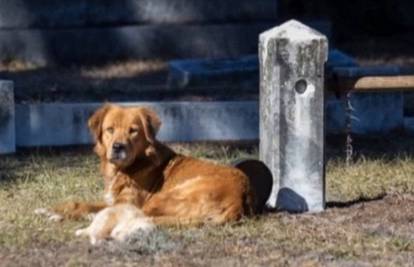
(369, 220)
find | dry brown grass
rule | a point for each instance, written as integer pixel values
(369, 221)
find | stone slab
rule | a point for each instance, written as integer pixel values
(241, 72)
(66, 124)
(100, 45)
(7, 118)
(373, 113)
(90, 13)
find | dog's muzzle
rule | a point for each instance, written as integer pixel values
(119, 152)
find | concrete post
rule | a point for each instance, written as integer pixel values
(292, 58)
(7, 124)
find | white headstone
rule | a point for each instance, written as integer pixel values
(292, 58)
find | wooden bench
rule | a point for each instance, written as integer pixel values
(371, 79)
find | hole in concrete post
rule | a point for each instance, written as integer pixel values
(300, 86)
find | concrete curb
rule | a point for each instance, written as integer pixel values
(65, 124)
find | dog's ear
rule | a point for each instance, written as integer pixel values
(95, 121)
(150, 122)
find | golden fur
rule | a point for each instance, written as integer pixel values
(168, 187)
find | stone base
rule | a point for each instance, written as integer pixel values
(7, 120)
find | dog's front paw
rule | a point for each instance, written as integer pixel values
(52, 216)
(41, 211)
(82, 232)
(93, 239)
(90, 216)
(56, 218)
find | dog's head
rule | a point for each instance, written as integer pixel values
(123, 134)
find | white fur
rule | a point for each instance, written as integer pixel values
(122, 219)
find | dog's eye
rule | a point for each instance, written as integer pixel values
(133, 131)
(110, 130)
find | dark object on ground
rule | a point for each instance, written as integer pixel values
(291, 201)
(260, 178)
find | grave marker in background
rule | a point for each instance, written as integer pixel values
(292, 58)
(7, 124)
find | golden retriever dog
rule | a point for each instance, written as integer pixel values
(169, 188)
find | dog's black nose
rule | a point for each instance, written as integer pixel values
(118, 147)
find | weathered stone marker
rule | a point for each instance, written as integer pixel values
(7, 125)
(292, 58)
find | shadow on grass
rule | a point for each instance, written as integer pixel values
(348, 204)
(332, 204)
(27, 161)
(390, 147)
(8, 174)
